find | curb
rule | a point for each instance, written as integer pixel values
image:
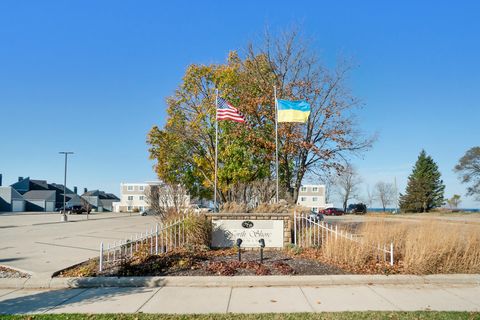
(237, 281)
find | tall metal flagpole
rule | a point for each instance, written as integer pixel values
(66, 153)
(276, 135)
(216, 150)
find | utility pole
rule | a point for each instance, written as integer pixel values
(66, 153)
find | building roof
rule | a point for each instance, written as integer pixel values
(59, 187)
(47, 195)
(100, 194)
(10, 193)
(40, 183)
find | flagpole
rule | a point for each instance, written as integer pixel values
(216, 151)
(276, 135)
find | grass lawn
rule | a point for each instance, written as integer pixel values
(287, 316)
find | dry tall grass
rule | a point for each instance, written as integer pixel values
(282, 207)
(419, 248)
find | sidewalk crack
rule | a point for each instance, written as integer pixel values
(459, 297)
(384, 298)
(66, 300)
(308, 301)
(229, 298)
(151, 297)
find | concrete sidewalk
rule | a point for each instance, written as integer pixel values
(386, 297)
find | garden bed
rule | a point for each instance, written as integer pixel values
(208, 263)
(11, 273)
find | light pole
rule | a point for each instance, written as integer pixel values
(66, 153)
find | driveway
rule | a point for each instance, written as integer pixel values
(39, 243)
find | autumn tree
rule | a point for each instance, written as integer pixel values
(468, 168)
(184, 147)
(425, 187)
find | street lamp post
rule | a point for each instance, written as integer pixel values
(66, 153)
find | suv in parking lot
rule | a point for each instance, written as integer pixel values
(75, 209)
(357, 208)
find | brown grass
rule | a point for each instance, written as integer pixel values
(282, 207)
(424, 247)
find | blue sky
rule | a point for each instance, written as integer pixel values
(92, 77)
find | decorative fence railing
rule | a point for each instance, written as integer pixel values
(159, 239)
(310, 232)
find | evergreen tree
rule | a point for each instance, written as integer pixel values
(425, 188)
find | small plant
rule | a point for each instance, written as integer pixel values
(296, 250)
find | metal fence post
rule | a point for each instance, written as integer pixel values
(156, 238)
(100, 262)
(391, 253)
(336, 231)
(295, 227)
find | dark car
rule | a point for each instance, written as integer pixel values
(147, 212)
(332, 212)
(315, 216)
(357, 208)
(75, 209)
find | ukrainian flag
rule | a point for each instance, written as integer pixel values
(293, 111)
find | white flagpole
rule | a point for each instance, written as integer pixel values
(216, 150)
(276, 135)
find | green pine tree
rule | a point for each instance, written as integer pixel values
(425, 188)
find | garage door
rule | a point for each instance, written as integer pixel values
(50, 206)
(18, 205)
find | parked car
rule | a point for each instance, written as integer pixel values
(315, 216)
(147, 212)
(332, 212)
(357, 208)
(75, 209)
(200, 209)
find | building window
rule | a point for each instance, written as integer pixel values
(314, 199)
(141, 197)
(141, 188)
(130, 188)
(303, 189)
(130, 198)
(315, 189)
(303, 199)
(129, 208)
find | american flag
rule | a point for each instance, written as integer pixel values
(225, 111)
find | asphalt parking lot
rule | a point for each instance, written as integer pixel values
(39, 243)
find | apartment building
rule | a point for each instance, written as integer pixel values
(133, 197)
(313, 197)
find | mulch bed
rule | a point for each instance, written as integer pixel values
(210, 263)
(11, 273)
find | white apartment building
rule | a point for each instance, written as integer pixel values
(313, 197)
(133, 197)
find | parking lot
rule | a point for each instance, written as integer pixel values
(40, 244)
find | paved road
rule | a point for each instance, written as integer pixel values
(242, 300)
(40, 244)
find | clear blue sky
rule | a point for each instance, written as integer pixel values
(92, 77)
